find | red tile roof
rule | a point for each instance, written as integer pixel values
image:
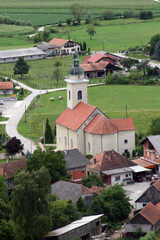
(97, 189)
(86, 190)
(96, 57)
(73, 119)
(58, 42)
(123, 124)
(9, 169)
(144, 163)
(151, 213)
(108, 160)
(94, 66)
(101, 125)
(6, 85)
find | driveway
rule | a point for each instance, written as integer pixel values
(9, 108)
(135, 190)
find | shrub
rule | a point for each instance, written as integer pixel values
(107, 15)
(60, 23)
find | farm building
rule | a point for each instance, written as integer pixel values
(6, 87)
(152, 194)
(49, 49)
(148, 219)
(28, 54)
(99, 69)
(65, 47)
(85, 127)
(84, 229)
(112, 167)
(73, 191)
(151, 150)
(76, 164)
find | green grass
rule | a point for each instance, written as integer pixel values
(13, 43)
(9, 30)
(2, 128)
(143, 104)
(137, 55)
(2, 119)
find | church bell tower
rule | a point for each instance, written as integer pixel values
(76, 85)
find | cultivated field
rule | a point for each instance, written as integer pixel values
(41, 12)
(143, 104)
(13, 43)
(9, 30)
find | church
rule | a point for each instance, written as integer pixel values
(85, 127)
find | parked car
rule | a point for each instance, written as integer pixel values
(1, 102)
(128, 180)
(139, 179)
(155, 177)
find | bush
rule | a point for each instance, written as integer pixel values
(88, 19)
(107, 15)
(52, 30)
(89, 156)
(60, 23)
(129, 14)
(145, 15)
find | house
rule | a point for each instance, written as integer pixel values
(28, 54)
(65, 47)
(49, 49)
(99, 69)
(76, 164)
(151, 150)
(98, 57)
(83, 229)
(73, 191)
(146, 164)
(97, 189)
(148, 219)
(152, 194)
(6, 87)
(8, 170)
(85, 127)
(112, 167)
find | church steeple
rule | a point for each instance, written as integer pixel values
(76, 84)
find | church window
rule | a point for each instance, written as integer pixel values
(71, 143)
(79, 95)
(65, 140)
(69, 94)
(89, 147)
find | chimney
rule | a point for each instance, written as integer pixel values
(94, 160)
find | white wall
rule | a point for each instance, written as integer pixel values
(128, 135)
(26, 58)
(122, 176)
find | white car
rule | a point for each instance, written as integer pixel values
(1, 102)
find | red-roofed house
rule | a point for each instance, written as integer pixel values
(6, 87)
(97, 57)
(85, 127)
(148, 218)
(65, 46)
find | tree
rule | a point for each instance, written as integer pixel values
(145, 15)
(84, 46)
(107, 15)
(30, 208)
(149, 236)
(3, 190)
(157, 51)
(88, 19)
(114, 203)
(153, 42)
(92, 180)
(155, 126)
(78, 11)
(68, 21)
(80, 204)
(48, 133)
(91, 31)
(21, 67)
(14, 146)
(57, 72)
(53, 161)
(63, 213)
(128, 63)
(143, 65)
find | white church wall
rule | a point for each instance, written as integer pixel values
(96, 144)
(126, 140)
(88, 143)
(72, 136)
(62, 133)
(109, 142)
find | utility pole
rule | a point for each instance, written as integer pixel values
(29, 123)
(103, 44)
(126, 112)
(44, 132)
(35, 107)
(40, 96)
(25, 114)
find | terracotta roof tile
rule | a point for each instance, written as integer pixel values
(151, 213)
(144, 163)
(123, 124)
(108, 160)
(90, 67)
(58, 42)
(6, 85)
(73, 119)
(97, 189)
(86, 190)
(101, 125)
(9, 169)
(96, 57)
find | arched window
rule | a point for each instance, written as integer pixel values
(79, 95)
(89, 147)
(71, 143)
(69, 94)
(65, 141)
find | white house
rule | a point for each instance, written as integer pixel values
(65, 47)
(85, 127)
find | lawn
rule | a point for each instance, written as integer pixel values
(2, 128)
(143, 104)
(41, 13)
(9, 30)
(13, 43)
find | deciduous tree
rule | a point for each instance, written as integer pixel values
(78, 11)
(91, 31)
(21, 67)
(129, 62)
(14, 146)
(92, 180)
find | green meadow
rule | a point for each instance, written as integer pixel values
(9, 30)
(143, 104)
(13, 43)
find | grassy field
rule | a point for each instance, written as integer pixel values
(2, 128)
(41, 71)
(9, 30)
(143, 104)
(14, 43)
(49, 12)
